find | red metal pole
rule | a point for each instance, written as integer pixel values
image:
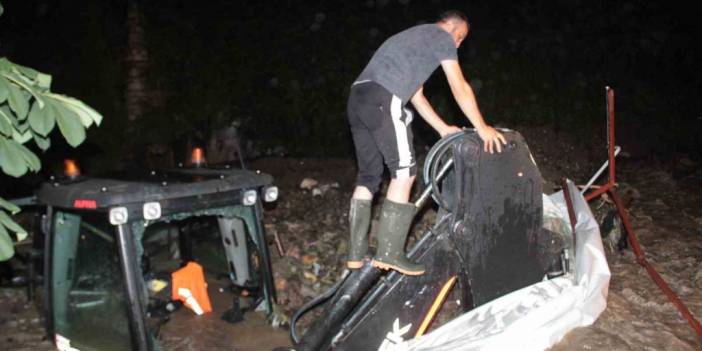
(571, 210)
(603, 189)
(611, 141)
(610, 188)
(641, 258)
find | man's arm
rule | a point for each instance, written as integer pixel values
(422, 105)
(465, 98)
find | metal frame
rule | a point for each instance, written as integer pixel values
(610, 188)
(268, 284)
(137, 324)
(229, 187)
(47, 227)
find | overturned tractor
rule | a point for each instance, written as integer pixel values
(488, 240)
(122, 254)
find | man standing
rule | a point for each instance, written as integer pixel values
(380, 127)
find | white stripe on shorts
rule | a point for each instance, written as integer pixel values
(403, 147)
(402, 173)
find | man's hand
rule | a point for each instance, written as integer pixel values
(466, 101)
(492, 138)
(449, 129)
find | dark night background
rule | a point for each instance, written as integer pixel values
(282, 69)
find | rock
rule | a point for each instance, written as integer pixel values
(308, 184)
(278, 317)
(293, 251)
(281, 284)
(329, 236)
(309, 259)
(342, 247)
(307, 292)
(310, 276)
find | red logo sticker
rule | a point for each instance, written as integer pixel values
(81, 203)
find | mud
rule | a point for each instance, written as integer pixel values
(666, 219)
(21, 327)
(186, 331)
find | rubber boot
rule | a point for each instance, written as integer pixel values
(395, 221)
(359, 222)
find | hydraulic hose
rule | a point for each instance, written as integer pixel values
(432, 163)
(314, 303)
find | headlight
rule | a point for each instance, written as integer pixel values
(249, 198)
(152, 210)
(118, 215)
(270, 194)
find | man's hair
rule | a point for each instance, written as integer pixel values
(453, 15)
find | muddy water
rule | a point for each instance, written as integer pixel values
(21, 328)
(668, 222)
(209, 332)
(187, 331)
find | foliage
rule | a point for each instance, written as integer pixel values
(29, 111)
(283, 68)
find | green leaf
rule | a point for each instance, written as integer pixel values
(22, 235)
(44, 81)
(21, 127)
(5, 110)
(70, 125)
(14, 209)
(4, 90)
(25, 83)
(18, 102)
(5, 64)
(28, 72)
(7, 247)
(11, 160)
(6, 127)
(42, 142)
(42, 119)
(29, 158)
(12, 226)
(22, 137)
(41, 80)
(87, 114)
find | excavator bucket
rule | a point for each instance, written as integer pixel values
(487, 242)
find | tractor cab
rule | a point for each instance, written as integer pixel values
(114, 243)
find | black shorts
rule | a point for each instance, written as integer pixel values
(381, 131)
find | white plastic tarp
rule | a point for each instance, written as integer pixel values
(538, 316)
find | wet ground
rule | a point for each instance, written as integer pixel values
(311, 223)
(188, 332)
(667, 219)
